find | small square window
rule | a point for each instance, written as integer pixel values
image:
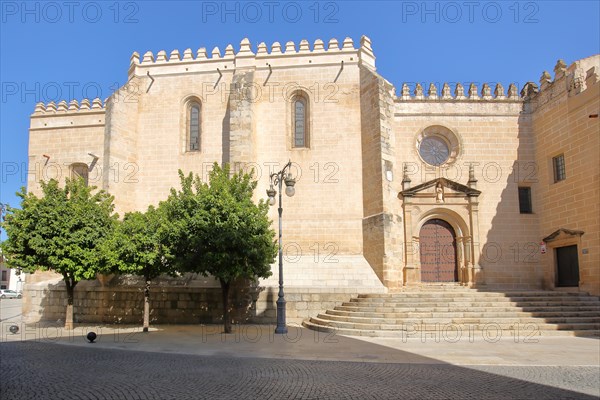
(558, 165)
(525, 200)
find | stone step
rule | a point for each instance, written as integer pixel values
(471, 293)
(466, 314)
(434, 287)
(446, 308)
(467, 333)
(433, 308)
(486, 299)
(471, 303)
(457, 320)
(435, 326)
(475, 300)
(460, 307)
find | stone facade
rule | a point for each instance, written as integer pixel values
(565, 113)
(364, 186)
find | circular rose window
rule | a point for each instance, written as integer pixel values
(437, 145)
(434, 150)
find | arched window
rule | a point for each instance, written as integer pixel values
(300, 120)
(80, 170)
(193, 126)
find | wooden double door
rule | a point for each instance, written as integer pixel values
(437, 242)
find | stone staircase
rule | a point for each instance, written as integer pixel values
(451, 312)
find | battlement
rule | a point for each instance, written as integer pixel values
(276, 56)
(472, 93)
(574, 79)
(96, 105)
(72, 115)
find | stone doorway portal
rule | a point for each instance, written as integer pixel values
(438, 252)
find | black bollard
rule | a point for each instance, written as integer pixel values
(91, 336)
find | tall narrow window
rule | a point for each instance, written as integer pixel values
(525, 200)
(80, 170)
(558, 164)
(300, 112)
(194, 127)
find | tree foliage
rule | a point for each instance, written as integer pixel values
(218, 230)
(138, 246)
(60, 231)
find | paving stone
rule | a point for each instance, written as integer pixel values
(33, 370)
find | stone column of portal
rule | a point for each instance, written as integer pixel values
(474, 268)
(460, 260)
(468, 248)
(476, 275)
(409, 272)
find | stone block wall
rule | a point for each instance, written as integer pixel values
(46, 301)
(62, 135)
(565, 121)
(372, 201)
(124, 305)
(494, 135)
(361, 136)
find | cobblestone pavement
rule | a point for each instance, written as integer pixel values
(33, 370)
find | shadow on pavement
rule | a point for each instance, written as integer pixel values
(253, 363)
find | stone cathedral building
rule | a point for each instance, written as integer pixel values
(486, 186)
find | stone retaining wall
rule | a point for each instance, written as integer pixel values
(94, 303)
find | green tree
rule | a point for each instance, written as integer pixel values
(138, 247)
(220, 231)
(61, 232)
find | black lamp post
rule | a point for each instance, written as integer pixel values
(276, 179)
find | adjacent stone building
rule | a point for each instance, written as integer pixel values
(485, 186)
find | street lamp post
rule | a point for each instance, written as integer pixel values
(276, 179)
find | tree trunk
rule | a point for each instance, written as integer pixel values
(70, 295)
(147, 304)
(226, 317)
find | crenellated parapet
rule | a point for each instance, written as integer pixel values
(52, 108)
(573, 79)
(472, 93)
(568, 81)
(88, 113)
(276, 55)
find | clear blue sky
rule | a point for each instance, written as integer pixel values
(63, 50)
